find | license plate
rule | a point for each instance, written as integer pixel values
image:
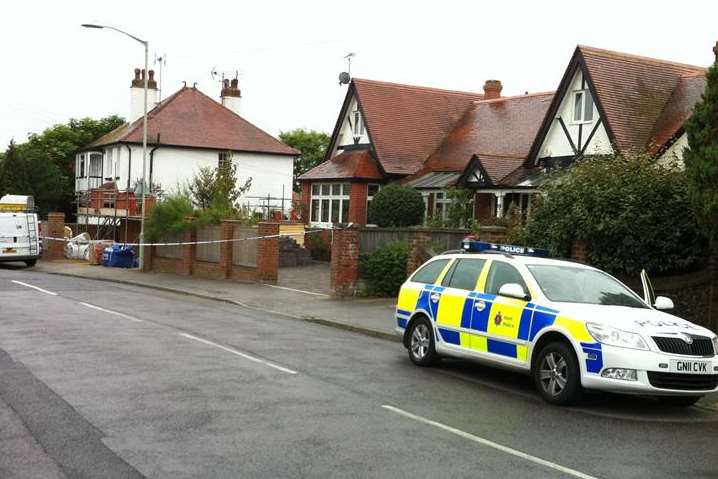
(9, 250)
(690, 367)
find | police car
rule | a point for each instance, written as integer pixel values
(571, 326)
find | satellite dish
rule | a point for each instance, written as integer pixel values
(344, 78)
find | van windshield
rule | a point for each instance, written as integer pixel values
(566, 284)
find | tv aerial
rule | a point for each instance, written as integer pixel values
(221, 75)
(346, 77)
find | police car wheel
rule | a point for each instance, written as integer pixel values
(557, 374)
(30, 263)
(679, 401)
(421, 343)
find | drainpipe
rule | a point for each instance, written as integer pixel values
(127, 192)
(152, 160)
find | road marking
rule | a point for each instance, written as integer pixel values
(486, 442)
(297, 290)
(109, 311)
(34, 287)
(239, 353)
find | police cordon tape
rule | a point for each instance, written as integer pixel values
(182, 243)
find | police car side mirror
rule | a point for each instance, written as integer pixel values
(513, 290)
(663, 303)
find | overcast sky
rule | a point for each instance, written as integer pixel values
(289, 53)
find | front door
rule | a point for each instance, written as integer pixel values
(500, 318)
(457, 301)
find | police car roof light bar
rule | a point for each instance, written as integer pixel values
(474, 246)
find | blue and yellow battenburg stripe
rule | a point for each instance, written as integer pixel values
(490, 323)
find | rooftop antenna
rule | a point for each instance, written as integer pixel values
(345, 77)
(161, 61)
(220, 75)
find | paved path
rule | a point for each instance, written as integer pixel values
(120, 381)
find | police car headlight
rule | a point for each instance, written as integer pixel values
(616, 337)
(715, 345)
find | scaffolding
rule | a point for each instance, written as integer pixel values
(106, 210)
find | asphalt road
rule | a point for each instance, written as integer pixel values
(99, 380)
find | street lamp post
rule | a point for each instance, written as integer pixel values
(146, 44)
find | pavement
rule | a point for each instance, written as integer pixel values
(101, 380)
(302, 293)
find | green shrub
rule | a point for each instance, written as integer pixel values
(384, 269)
(318, 247)
(396, 205)
(169, 216)
(631, 212)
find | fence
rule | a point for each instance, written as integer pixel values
(371, 239)
(208, 252)
(244, 253)
(171, 252)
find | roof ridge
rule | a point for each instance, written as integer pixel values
(514, 97)
(631, 56)
(416, 87)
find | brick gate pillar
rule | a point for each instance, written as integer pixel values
(226, 249)
(54, 249)
(344, 265)
(419, 243)
(268, 253)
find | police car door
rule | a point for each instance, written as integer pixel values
(502, 320)
(457, 301)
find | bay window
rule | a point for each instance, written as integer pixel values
(330, 203)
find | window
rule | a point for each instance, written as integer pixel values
(441, 205)
(464, 274)
(502, 273)
(358, 124)
(583, 285)
(81, 166)
(430, 272)
(95, 168)
(223, 158)
(330, 203)
(108, 164)
(582, 106)
(371, 190)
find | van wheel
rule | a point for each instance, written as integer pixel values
(422, 351)
(557, 374)
(679, 401)
(30, 262)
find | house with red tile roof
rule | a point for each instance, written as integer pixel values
(499, 146)
(186, 131)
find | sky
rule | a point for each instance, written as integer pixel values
(290, 53)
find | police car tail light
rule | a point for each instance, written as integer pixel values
(620, 373)
(616, 337)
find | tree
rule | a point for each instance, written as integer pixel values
(43, 166)
(311, 144)
(701, 157)
(397, 205)
(217, 187)
(460, 213)
(629, 211)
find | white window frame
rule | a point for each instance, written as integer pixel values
(358, 127)
(328, 200)
(585, 98)
(81, 170)
(223, 157)
(444, 202)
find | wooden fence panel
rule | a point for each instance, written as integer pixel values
(208, 252)
(174, 252)
(244, 253)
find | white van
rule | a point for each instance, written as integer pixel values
(19, 235)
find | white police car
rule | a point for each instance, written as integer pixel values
(571, 326)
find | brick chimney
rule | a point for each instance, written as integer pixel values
(137, 94)
(231, 95)
(492, 89)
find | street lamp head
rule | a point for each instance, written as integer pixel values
(91, 25)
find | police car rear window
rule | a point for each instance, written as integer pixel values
(430, 272)
(464, 274)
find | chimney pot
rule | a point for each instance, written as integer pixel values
(492, 89)
(235, 83)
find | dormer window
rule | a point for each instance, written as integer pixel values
(358, 124)
(582, 106)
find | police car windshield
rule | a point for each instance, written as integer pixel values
(566, 284)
